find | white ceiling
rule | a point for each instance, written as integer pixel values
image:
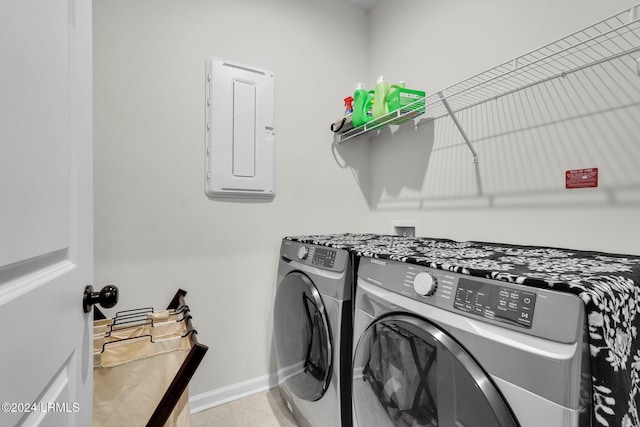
(364, 4)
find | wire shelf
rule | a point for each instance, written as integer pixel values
(408, 112)
(609, 49)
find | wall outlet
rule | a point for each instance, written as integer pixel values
(404, 228)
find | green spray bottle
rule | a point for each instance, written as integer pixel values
(361, 104)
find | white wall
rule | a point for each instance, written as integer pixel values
(155, 230)
(428, 175)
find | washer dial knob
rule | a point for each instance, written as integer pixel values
(303, 251)
(425, 284)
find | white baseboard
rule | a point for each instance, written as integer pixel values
(220, 396)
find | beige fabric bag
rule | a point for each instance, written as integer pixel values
(131, 376)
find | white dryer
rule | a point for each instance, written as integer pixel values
(313, 330)
(436, 348)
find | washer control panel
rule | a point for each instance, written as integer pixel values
(534, 311)
(495, 302)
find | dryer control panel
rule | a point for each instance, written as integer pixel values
(314, 255)
(324, 257)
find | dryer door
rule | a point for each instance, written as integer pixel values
(409, 372)
(302, 335)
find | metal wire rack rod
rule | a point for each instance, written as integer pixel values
(561, 74)
(544, 59)
(443, 97)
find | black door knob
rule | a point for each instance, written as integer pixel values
(107, 297)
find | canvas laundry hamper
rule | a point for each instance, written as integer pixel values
(133, 368)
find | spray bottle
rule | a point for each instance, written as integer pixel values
(348, 105)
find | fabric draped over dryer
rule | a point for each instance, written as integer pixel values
(608, 284)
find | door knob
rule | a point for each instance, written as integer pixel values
(107, 297)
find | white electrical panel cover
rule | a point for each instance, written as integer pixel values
(239, 133)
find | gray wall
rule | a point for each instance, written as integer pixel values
(428, 176)
(155, 230)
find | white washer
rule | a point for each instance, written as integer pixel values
(435, 348)
(313, 329)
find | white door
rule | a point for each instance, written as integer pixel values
(45, 212)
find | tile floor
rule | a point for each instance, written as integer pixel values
(265, 409)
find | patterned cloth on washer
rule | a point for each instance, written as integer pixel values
(608, 284)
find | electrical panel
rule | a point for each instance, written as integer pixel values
(239, 130)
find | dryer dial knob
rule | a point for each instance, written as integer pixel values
(425, 284)
(303, 251)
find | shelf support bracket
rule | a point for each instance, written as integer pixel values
(443, 98)
(633, 13)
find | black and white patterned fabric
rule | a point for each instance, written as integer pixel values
(608, 284)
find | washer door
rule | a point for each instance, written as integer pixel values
(407, 371)
(303, 340)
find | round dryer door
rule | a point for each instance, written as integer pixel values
(409, 372)
(303, 341)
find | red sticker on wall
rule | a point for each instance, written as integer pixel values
(582, 178)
